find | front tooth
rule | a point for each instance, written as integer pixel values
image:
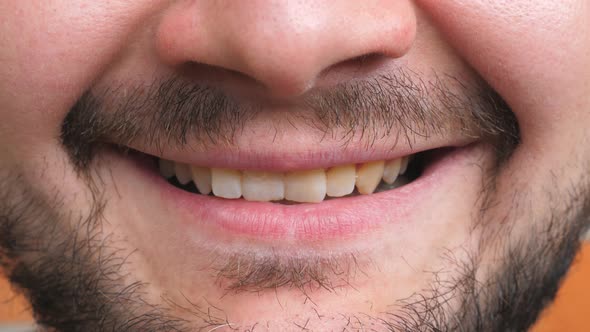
(368, 176)
(202, 179)
(183, 173)
(263, 186)
(392, 170)
(166, 168)
(305, 186)
(340, 180)
(404, 165)
(226, 183)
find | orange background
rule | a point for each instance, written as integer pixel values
(570, 312)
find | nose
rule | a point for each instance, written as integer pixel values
(283, 45)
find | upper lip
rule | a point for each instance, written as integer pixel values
(259, 153)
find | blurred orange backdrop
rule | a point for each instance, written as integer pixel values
(570, 312)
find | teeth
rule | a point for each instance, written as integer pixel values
(226, 183)
(263, 186)
(340, 180)
(183, 173)
(309, 186)
(166, 168)
(368, 176)
(392, 170)
(306, 186)
(202, 179)
(404, 165)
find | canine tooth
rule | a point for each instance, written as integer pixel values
(166, 168)
(226, 183)
(263, 186)
(183, 173)
(340, 180)
(305, 186)
(391, 170)
(202, 179)
(368, 176)
(404, 165)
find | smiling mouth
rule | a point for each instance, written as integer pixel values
(299, 186)
(300, 205)
(335, 163)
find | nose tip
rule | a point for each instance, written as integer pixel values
(284, 45)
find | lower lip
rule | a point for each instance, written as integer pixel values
(337, 218)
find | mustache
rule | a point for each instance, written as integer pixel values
(176, 111)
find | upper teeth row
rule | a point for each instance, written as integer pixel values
(310, 186)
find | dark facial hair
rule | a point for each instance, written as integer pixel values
(175, 111)
(70, 289)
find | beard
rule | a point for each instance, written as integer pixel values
(74, 274)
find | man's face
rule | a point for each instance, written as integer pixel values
(292, 165)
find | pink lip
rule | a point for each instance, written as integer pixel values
(338, 218)
(270, 157)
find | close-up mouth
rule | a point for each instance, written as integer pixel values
(337, 202)
(301, 186)
(321, 167)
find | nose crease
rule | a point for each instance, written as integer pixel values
(284, 45)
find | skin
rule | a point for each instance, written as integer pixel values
(534, 54)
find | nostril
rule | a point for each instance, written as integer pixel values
(362, 65)
(216, 75)
(361, 60)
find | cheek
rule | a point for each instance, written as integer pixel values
(535, 53)
(50, 52)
